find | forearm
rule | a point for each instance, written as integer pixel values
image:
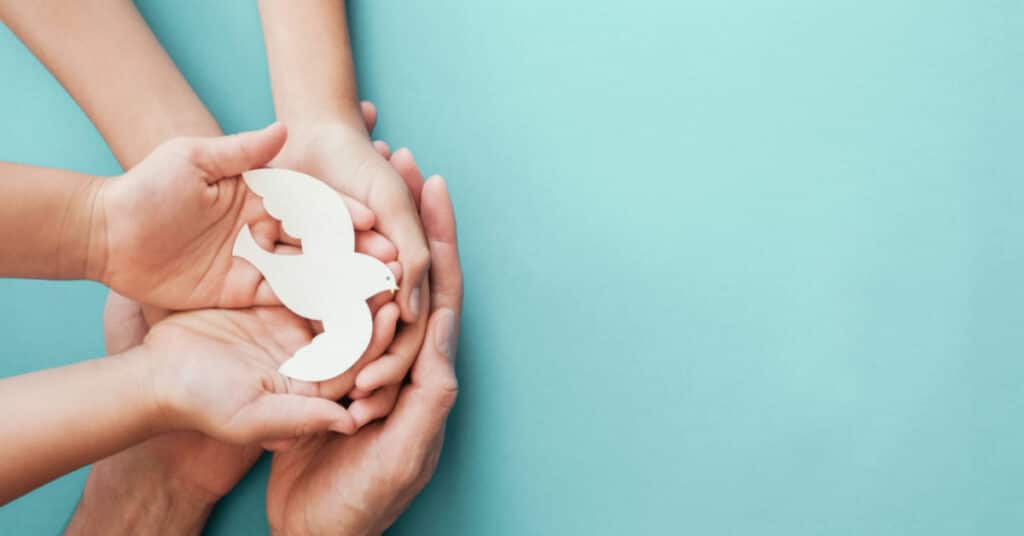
(312, 74)
(129, 497)
(50, 218)
(110, 62)
(61, 419)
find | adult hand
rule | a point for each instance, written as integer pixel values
(359, 484)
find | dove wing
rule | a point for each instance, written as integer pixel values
(308, 208)
(348, 330)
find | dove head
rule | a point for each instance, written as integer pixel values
(372, 276)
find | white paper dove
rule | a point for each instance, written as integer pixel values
(329, 281)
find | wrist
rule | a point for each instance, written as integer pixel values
(347, 118)
(82, 246)
(309, 143)
(144, 368)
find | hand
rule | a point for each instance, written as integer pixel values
(361, 483)
(174, 480)
(169, 224)
(344, 157)
(215, 371)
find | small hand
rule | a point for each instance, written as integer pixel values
(215, 371)
(359, 484)
(170, 223)
(344, 157)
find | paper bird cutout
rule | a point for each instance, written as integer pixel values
(329, 281)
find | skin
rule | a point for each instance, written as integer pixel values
(360, 484)
(212, 372)
(155, 486)
(168, 484)
(162, 233)
(314, 88)
(174, 480)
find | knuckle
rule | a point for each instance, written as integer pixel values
(448, 393)
(419, 259)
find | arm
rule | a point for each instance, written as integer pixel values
(50, 216)
(213, 372)
(105, 56)
(315, 95)
(70, 416)
(313, 82)
(141, 101)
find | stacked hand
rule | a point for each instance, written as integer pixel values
(359, 484)
(203, 468)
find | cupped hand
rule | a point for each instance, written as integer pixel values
(199, 469)
(216, 372)
(169, 224)
(389, 184)
(359, 484)
(343, 156)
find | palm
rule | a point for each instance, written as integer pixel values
(336, 475)
(179, 255)
(199, 462)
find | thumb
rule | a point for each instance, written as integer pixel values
(423, 405)
(283, 416)
(229, 156)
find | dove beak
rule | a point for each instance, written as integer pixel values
(394, 289)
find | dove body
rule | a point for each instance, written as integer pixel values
(329, 281)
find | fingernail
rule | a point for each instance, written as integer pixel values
(414, 301)
(445, 329)
(343, 427)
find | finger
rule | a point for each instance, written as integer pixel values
(423, 405)
(285, 416)
(284, 238)
(248, 287)
(369, 111)
(383, 148)
(362, 217)
(153, 314)
(400, 354)
(384, 324)
(439, 224)
(229, 156)
(123, 323)
(359, 394)
(376, 245)
(406, 166)
(399, 221)
(376, 406)
(388, 369)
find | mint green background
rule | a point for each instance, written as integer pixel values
(742, 267)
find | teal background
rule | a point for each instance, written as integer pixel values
(745, 267)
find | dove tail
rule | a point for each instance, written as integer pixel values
(246, 246)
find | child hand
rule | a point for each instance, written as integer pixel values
(169, 224)
(215, 371)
